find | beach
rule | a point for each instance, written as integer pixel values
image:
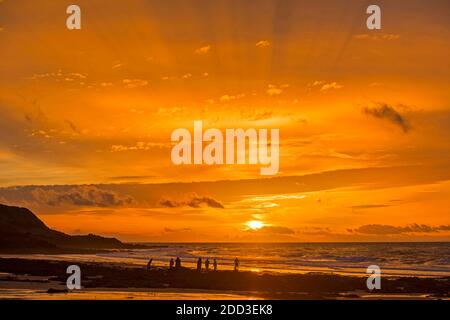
(46, 279)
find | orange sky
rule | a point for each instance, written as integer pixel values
(364, 118)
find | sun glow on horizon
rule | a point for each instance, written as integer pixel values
(255, 224)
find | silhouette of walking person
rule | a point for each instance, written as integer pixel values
(207, 264)
(215, 264)
(171, 263)
(178, 263)
(149, 264)
(199, 264)
(236, 264)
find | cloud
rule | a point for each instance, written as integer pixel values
(133, 178)
(139, 146)
(380, 229)
(255, 115)
(60, 76)
(203, 50)
(384, 36)
(172, 111)
(135, 83)
(80, 196)
(370, 206)
(184, 76)
(193, 201)
(316, 231)
(227, 97)
(263, 44)
(384, 111)
(325, 86)
(72, 126)
(78, 75)
(273, 230)
(332, 85)
(273, 90)
(117, 65)
(260, 189)
(170, 230)
(276, 197)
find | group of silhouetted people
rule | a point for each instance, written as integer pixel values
(199, 264)
(176, 264)
(172, 264)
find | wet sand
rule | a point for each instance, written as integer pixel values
(43, 279)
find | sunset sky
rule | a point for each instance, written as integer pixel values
(86, 118)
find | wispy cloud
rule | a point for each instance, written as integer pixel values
(278, 197)
(370, 206)
(72, 126)
(203, 50)
(117, 65)
(273, 230)
(228, 97)
(256, 115)
(138, 146)
(384, 36)
(80, 196)
(193, 201)
(325, 86)
(171, 230)
(380, 229)
(135, 83)
(60, 76)
(273, 90)
(263, 44)
(331, 85)
(185, 76)
(387, 112)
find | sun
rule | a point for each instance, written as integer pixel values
(255, 224)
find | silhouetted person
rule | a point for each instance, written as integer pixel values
(171, 263)
(207, 264)
(178, 263)
(215, 264)
(236, 264)
(149, 264)
(199, 264)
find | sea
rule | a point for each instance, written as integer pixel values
(394, 259)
